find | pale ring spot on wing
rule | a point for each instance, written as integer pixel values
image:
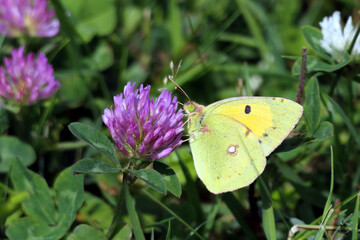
(232, 150)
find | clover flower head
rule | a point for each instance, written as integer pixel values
(143, 128)
(27, 18)
(336, 40)
(27, 79)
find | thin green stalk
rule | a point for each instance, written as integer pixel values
(297, 228)
(118, 209)
(303, 235)
(354, 40)
(173, 214)
(248, 89)
(356, 219)
(327, 209)
(134, 218)
(46, 113)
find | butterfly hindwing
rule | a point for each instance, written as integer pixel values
(225, 158)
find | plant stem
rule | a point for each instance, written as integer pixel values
(297, 228)
(173, 214)
(299, 95)
(118, 209)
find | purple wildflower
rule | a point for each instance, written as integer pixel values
(27, 79)
(142, 128)
(27, 17)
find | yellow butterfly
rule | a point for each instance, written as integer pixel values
(231, 139)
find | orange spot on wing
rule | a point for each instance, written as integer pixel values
(205, 129)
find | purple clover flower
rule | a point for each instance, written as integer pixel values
(27, 79)
(142, 128)
(27, 17)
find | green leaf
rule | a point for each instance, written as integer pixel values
(11, 148)
(96, 211)
(39, 204)
(238, 212)
(102, 58)
(308, 193)
(315, 64)
(85, 232)
(69, 191)
(313, 36)
(312, 105)
(11, 204)
(124, 233)
(132, 17)
(174, 27)
(345, 118)
(130, 207)
(324, 131)
(96, 139)
(30, 229)
(152, 178)
(73, 87)
(4, 120)
(211, 218)
(171, 180)
(268, 218)
(190, 187)
(89, 17)
(2, 39)
(93, 166)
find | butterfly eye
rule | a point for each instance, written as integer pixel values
(247, 109)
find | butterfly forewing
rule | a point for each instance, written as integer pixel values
(270, 119)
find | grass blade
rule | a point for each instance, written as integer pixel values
(347, 121)
(327, 210)
(173, 214)
(268, 218)
(130, 207)
(356, 219)
(237, 210)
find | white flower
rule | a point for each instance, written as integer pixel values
(337, 40)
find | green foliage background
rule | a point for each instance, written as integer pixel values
(227, 48)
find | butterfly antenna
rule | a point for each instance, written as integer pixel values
(178, 87)
(178, 67)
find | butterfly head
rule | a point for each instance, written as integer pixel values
(192, 107)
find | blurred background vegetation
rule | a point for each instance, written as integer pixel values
(225, 47)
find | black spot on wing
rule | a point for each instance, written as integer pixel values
(247, 109)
